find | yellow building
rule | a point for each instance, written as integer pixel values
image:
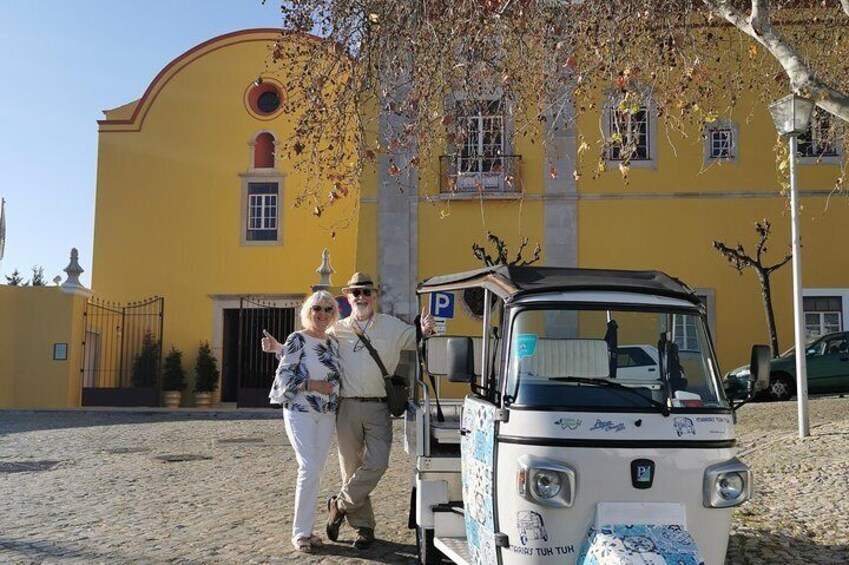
(195, 205)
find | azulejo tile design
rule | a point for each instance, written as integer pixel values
(642, 544)
(477, 453)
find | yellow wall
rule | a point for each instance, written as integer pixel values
(34, 319)
(169, 197)
(666, 218)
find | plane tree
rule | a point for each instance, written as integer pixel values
(381, 79)
(740, 260)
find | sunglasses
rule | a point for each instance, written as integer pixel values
(365, 292)
(326, 309)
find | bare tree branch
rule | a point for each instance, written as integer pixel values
(501, 253)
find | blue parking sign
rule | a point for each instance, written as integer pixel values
(442, 304)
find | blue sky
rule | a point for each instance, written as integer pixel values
(61, 64)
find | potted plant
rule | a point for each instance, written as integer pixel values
(173, 378)
(206, 376)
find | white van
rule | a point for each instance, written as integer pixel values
(559, 453)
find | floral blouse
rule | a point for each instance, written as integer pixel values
(306, 358)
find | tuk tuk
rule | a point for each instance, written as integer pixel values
(594, 428)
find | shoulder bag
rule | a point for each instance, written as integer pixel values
(397, 389)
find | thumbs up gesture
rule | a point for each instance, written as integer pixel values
(269, 344)
(428, 322)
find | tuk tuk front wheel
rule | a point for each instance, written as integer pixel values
(428, 554)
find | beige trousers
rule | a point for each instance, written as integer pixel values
(364, 435)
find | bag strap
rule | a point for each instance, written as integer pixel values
(374, 354)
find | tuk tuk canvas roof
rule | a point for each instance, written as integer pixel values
(508, 281)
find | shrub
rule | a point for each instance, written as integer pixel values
(174, 376)
(206, 370)
(146, 366)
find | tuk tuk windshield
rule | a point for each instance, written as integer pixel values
(598, 358)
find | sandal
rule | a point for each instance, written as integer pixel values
(303, 545)
(315, 541)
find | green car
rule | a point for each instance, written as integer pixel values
(827, 366)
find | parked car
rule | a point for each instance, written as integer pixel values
(827, 360)
(637, 362)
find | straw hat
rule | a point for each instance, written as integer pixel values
(359, 280)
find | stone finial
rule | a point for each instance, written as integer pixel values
(324, 270)
(72, 284)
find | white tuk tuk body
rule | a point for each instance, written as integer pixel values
(551, 459)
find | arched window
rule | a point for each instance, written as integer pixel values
(264, 151)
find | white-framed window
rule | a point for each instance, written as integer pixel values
(720, 142)
(684, 327)
(823, 315)
(479, 159)
(261, 215)
(482, 150)
(262, 211)
(630, 128)
(684, 333)
(819, 143)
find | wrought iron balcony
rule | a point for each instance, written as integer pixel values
(495, 174)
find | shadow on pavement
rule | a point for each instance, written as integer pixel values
(771, 547)
(19, 421)
(381, 552)
(35, 550)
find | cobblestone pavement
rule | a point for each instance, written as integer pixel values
(120, 487)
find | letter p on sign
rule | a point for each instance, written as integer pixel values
(442, 305)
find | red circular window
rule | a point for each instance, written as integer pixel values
(265, 99)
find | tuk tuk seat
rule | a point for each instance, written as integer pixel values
(586, 358)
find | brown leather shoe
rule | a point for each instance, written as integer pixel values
(365, 537)
(335, 517)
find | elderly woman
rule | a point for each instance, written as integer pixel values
(307, 385)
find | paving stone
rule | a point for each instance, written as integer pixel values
(110, 500)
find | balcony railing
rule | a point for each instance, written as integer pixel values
(480, 174)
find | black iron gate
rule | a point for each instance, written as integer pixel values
(255, 369)
(122, 352)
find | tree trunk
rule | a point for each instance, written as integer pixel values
(766, 295)
(802, 79)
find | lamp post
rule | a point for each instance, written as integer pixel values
(792, 115)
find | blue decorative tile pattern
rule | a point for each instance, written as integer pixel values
(640, 544)
(477, 453)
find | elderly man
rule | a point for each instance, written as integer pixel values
(363, 422)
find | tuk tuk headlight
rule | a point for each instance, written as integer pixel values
(545, 481)
(727, 484)
(545, 484)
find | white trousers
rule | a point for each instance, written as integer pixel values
(310, 434)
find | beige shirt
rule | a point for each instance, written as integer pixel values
(361, 376)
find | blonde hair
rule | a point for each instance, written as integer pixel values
(319, 298)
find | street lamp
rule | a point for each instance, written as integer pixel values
(792, 115)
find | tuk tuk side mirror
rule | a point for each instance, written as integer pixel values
(461, 360)
(759, 369)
